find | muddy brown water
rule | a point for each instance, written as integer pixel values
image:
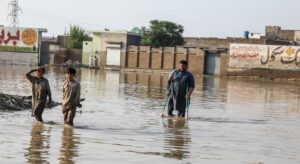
(230, 121)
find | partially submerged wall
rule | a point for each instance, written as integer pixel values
(163, 58)
(19, 45)
(264, 60)
(19, 58)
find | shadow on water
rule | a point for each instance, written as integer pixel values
(39, 145)
(69, 146)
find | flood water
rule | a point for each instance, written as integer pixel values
(230, 121)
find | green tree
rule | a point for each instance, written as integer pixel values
(77, 36)
(163, 33)
(142, 31)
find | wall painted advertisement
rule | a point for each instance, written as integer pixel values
(247, 56)
(19, 39)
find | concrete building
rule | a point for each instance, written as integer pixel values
(217, 50)
(20, 45)
(254, 35)
(54, 51)
(278, 36)
(109, 46)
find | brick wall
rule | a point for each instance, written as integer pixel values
(164, 58)
(219, 42)
(144, 57)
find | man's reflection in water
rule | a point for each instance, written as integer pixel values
(39, 144)
(176, 138)
(69, 146)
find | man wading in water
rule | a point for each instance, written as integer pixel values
(181, 84)
(40, 91)
(71, 97)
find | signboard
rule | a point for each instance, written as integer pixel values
(247, 56)
(19, 39)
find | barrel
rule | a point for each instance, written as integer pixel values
(246, 34)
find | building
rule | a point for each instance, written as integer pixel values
(248, 44)
(109, 46)
(55, 51)
(278, 36)
(20, 45)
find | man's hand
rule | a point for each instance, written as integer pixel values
(188, 96)
(33, 70)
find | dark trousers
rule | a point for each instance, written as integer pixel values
(180, 112)
(38, 110)
(170, 106)
(69, 115)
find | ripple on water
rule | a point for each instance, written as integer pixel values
(230, 121)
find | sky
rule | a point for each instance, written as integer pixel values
(200, 18)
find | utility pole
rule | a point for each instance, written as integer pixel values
(14, 8)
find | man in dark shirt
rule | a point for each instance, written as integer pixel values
(181, 84)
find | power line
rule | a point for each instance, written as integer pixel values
(56, 18)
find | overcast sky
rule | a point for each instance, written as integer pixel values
(200, 18)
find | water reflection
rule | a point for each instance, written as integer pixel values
(228, 118)
(69, 146)
(176, 138)
(39, 144)
(146, 85)
(214, 90)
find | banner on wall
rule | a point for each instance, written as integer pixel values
(19, 39)
(247, 56)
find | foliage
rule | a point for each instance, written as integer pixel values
(142, 31)
(77, 36)
(163, 33)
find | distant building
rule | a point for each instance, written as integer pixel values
(254, 36)
(276, 35)
(109, 46)
(55, 51)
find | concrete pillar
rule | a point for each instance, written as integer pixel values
(144, 57)
(156, 58)
(196, 61)
(132, 56)
(168, 58)
(224, 63)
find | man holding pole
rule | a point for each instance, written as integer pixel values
(181, 84)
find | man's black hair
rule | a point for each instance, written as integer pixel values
(183, 62)
(42, 68)
(71, 71)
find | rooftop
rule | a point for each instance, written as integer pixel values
(113, 32)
